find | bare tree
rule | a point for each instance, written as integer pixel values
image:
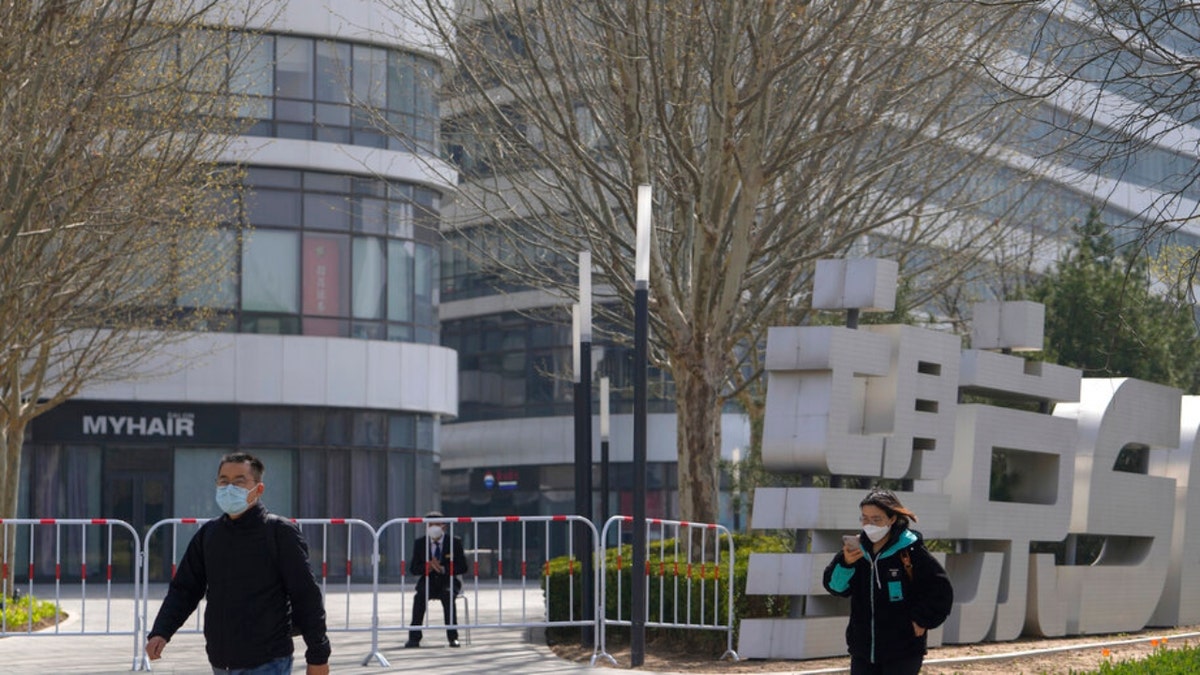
(773, 133)
(112, 114)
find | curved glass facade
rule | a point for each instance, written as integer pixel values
(338, 92)
(333, 255)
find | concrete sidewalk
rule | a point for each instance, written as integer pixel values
(484, 650)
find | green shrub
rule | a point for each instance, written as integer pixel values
(668, 594)
(16, 613)
(1184, 661)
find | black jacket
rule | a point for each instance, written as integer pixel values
(439, 583)
(884, 601)
(250, 570)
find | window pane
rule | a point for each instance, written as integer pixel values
(399, 280)
(400, 82)
(294, 67)
(368, 278)
(424, 284)
(370, 215)
(213, 282)
(273, 207)
(270, 272)
(333, 72)
(326, 275)
(326, 212)
(370, 73)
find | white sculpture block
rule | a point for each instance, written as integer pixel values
(856, 283)
(1180, 601)
(1015, 325)
(815, 400)
(913, 406)
(1136, 512)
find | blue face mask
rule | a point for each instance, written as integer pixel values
(232, 499)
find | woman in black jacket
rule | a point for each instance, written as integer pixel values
(897, 590)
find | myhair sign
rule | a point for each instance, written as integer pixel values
(884, 402)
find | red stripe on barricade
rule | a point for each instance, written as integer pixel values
(476, 568)
(47, 521)
(716, 570)
(676, 572)
(662, 568)
(627, 518)
(656, 521)
(188, 521)
(99, 521)
(83, 570)
(500, 569)
(451, 570)
(324, 569)
(689, 573)
(403, 567)
(5, 569)
(618, 562)
(647, 568)
(428, 566)
(349, 567)
(415, 520)
(558, 518)
(507, 519)
(172, 570)
(684, 524)
(31, 570)
(713, 526)
(57, 571)
(337, 521)
(464, 519)
(571, 567)
(546, 571)
(108, 573)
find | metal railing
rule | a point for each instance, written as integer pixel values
(687, 571)
(685, 577)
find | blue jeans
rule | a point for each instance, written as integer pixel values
(279, 666)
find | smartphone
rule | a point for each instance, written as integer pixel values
(850, 540)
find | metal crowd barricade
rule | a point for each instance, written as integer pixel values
(328, 553)
(550, 531)
(664, 565)
(106, 543)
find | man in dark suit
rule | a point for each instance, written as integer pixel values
(438, 560)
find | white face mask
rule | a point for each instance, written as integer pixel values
(434, 532)
(876, 533)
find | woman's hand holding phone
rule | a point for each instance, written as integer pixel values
(851, 551)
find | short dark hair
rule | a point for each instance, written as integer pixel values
(435, 514)
(256, 465)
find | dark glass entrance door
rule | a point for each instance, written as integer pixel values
(137, 489)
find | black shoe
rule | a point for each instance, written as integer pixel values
(454, 643)
(412, 644)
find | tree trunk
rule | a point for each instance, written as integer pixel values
(698, 420)
(10, 484)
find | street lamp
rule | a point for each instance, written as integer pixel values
(582, 325)
(641, 330)
(604, 434)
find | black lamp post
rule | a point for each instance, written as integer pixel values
(583, 432)
(641, 335)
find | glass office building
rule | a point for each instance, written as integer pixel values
(325, 358)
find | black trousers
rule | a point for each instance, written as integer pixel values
(418, 614)
(908, 666)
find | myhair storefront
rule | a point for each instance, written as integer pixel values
(143, 462)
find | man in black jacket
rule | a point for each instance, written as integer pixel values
(253, 566)
(439, 560)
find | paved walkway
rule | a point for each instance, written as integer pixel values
(511, 650)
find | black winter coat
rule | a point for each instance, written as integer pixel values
(884, 601)
(250, 570)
